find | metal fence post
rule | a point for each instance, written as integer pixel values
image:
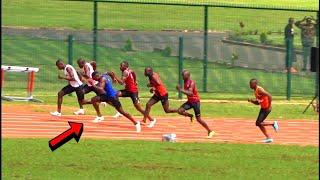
(317, 68)
(317, 29)
(70, 49)
(205, 49)
(95, 29)
(180, 64)
(289, 49)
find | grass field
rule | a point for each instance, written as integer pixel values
(78, 15)
(221, 78)
(282, 110)
(100, 159)
(62, 14)
(28, 158)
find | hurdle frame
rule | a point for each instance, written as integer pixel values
(30, 84)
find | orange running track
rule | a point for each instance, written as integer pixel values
(40, 125)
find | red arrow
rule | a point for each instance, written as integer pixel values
(74, 131)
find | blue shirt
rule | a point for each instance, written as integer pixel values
(110, 92)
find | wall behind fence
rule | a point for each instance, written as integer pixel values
(147, 35)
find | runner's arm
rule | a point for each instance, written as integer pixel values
(100, 86)
(254, 101)
(189, 91)
(123, 79)
(71, 78)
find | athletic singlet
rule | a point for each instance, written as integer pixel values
(89, 73)
(160, 90)
(110, 92)
(262, 99)
(130, 82)
(77, 81)
(195, 97)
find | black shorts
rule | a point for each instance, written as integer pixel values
(195, 106)
(69, 89)
(114, 101)
(262, 116)
(87, 89)
(158, 98)
(133, 95)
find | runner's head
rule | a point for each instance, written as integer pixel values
(253, 83)
(81, 62)
(60, 65)
(96, 75)
(124, 65)
(185, 75)
(148, 71)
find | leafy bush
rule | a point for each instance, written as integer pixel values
(263, 38)
(167, 51)
(128, 45)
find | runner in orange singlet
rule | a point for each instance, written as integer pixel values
(159, 94)
(263, 98)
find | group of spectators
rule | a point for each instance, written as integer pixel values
(308, 27)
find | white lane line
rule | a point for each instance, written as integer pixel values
(181, 140)
(101, 132)
(170, 119)
(124, 121)
(144, 134)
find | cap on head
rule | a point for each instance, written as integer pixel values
(308, 19)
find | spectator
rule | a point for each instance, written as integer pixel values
(308, 32)
(289, 36)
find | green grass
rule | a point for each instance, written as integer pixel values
(248, 3)
(41, 53)
(102, 159)
(78, 15)
(240, 109)
(276, 40)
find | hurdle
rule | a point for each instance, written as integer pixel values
(30, 83)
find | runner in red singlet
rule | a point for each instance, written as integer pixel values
(128, 79)
(193, 102)
(159, 94)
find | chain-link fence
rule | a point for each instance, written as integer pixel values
(242, 43)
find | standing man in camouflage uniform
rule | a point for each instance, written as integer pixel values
(308, 33)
